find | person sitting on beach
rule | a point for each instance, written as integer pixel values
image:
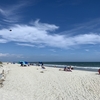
(43, 67)
(70, 67)
(66, 69)
(21, 64)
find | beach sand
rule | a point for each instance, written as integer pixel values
(28, 83)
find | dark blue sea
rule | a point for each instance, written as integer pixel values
(89, 66)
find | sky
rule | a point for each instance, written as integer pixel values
(50, 30)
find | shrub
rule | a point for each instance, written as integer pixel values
(0, 62)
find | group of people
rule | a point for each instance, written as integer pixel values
(68, 69)
(40, 64)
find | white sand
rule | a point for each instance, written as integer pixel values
(27, 83)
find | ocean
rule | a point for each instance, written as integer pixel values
(88, 66)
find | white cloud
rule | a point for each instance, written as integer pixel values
(44, 26)
(87, 50)
(86, 27)
(23, 44)
(40, 46)
(11, 55)
(42, 34)
(53, 50)
(3, 54)
(2, 12)
(12, 13)
(3, 41)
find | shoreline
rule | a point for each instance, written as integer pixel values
(80, 69)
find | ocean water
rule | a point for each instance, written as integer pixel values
(89, 66)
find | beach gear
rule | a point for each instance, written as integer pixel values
(23, 63)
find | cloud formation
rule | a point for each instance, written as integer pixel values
(23, 44)
(3, 54)
(83, 28)
(11, 14)
(42, 34)
(11, 55)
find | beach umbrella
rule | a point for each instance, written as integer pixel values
(41, 63)
(20, 62)
(26, 62)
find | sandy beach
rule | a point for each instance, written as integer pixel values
(28, 83)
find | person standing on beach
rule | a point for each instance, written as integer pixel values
(99, 71)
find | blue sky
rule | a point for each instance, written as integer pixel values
(50, 30)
